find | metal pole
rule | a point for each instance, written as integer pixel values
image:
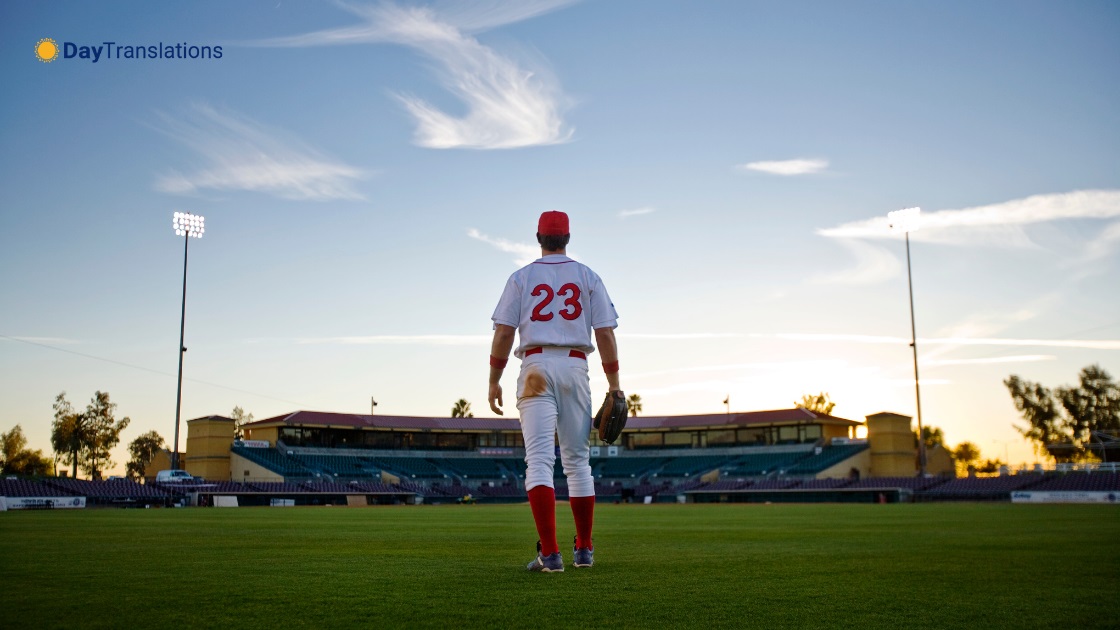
(182, 349)
(914, 345)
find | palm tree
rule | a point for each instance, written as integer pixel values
(462, 409)
(634, 404)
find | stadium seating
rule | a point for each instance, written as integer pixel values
(983, 488)
(688, 466)
(473, 468)
(828, 457)
(343, 466)
(410, 467)
(274, 460)
(911, 483)
(624, 467)
(1081, 482)
(757, 464)
(26, 488)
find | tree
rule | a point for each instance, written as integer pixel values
(1061, 423)
(819, 403)
(1094, 405)
(240, 418)
(966, 455)
(105, 432)
(69, 433)
(85, 440)
(461, 409)
(932, 436)
(990, 466)
(634, 404)
(143, 449)
(17, 459)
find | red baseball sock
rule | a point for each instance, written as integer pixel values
(583, 510)
(542, 500)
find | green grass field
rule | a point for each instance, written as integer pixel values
(708, 566)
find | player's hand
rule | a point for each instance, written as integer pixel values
(496, 396)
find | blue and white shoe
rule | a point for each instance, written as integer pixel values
(546, 564)
(584, 557)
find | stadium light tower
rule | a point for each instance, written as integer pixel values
(186, 225)
(907, 220)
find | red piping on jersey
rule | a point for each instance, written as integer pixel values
(559, 262)
(575, 354)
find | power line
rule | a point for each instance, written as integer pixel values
(147, 369)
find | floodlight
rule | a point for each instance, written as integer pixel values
(907, 220)
(185, 225)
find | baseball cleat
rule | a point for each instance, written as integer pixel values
(546, 564)
(584, 557)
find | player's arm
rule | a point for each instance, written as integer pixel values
(499, 354)
(608, 350)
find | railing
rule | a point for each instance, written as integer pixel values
(1086, 467)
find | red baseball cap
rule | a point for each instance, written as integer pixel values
(553, 223)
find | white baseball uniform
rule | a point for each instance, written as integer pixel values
(555, 303)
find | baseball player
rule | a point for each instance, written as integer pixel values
(555, 304)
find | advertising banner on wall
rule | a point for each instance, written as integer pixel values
(43, 503)
(1026, 496)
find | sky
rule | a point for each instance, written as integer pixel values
(371, 173)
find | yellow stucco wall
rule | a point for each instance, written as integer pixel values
(208, 443)
(271, 434)
(892, 449)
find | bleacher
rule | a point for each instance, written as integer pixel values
(411, 467)
(1080, 482)
(28, 488)
(983, 488)
(688, 466)
(624, 467)
(827, 458)
(473, 468)
(345, 466)
(110, 490)
(274, 460)
(758, 464)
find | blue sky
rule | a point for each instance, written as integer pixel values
(370, 174)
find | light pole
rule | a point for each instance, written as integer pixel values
(186, 225)
(907, 221)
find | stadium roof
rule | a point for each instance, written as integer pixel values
(358, 421)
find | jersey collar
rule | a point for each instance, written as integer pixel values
(552, 259)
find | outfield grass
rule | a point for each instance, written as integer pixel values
(708, 566)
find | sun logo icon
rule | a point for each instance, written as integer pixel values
(46, 50)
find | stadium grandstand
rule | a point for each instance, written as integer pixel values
(786, 455)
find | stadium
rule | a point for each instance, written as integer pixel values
(776, 456)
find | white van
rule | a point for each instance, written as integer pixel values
(173, 476)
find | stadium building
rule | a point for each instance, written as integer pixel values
(785, 455)
(709, 457)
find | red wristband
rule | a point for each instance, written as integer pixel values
(610, 368)
(495, 362)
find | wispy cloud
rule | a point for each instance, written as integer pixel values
(1102, 246)
(997, 224)
(625, 214)
(874, 263)
(508, 104)
(679, 336)
(401, 340)
(524, 253)
(1091, 344)
(238, 153)
(802, 166)
(1023, 358)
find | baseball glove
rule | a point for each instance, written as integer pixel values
(611, 419)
